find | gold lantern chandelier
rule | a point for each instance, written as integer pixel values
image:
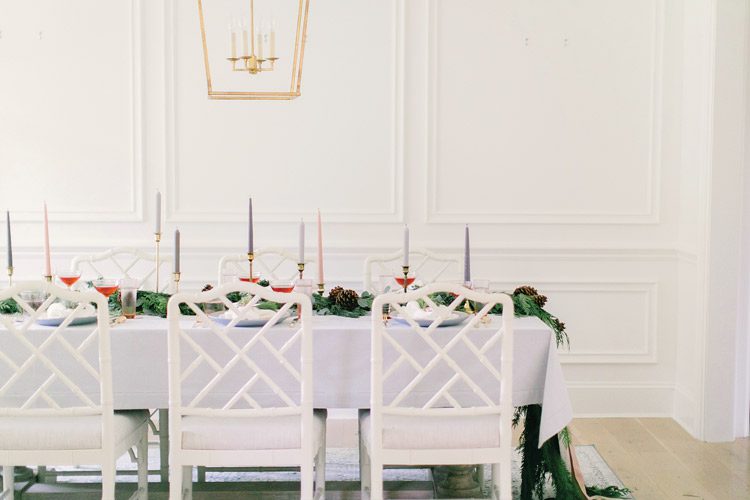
(252, 54)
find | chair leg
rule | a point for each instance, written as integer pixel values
(187, 482)
(109, 477)
(480, 476)
(175, 481)
(501, 482)
(376, 480)
(306, 479)
(143, 465)
(364, 470)
(320, 470)
(9, 484)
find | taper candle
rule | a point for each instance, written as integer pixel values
(406, 246)
(8, 239)
(320, 250)
(157, 226)
(250, 242)
(177, 251)
(47, 260)
(301, 242)
(467, 256)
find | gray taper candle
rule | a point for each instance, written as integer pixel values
(10, 245)
(177, 251)
(467, 256)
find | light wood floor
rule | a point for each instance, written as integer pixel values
(657, 459)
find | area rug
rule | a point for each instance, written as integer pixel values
(342, 466)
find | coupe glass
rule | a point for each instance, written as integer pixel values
(282, 286)
(400, 279)
(70, 278)
(106, 287)
(246, 278)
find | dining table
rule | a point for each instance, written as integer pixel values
(341, 365)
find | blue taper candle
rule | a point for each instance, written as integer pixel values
(10, 245)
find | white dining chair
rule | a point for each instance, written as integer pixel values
(56, 403)
(427, 266)
(468, 419)
(126, 263)
(270, 263)
(243, 396)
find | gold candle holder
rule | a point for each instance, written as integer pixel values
(321, 288)
(405, 269)
(301, 269)
(176, 278)
(10, 275)
(157, 236)
(250, 259)
(48, 278)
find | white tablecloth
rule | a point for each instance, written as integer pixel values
(342, 366)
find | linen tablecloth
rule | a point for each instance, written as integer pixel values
(341, 366)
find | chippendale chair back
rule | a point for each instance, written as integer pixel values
(271, 263)
(129, 263)
(428, 267)
(439, 395)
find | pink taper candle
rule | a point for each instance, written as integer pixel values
(47, 261)
(320, 250)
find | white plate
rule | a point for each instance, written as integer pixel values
(244, 323)
(84, 320)
(456, 318)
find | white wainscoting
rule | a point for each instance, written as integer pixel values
(432, 113)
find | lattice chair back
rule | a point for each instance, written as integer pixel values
(62, 368)
(426, 371)
(130, 263)
(270, 263)
(226, 371)
(427, 266)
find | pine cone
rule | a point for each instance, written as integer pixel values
(207, 288)
(526, 290)
(335, 292)
(348, 299)
(540, 300)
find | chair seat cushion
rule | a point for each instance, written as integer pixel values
(249, 433)
(65, 433)
(424, 433)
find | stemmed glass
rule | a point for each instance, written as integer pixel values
(246, 279)
(285, 286)
(106, 287)
(70, 278)
(400, 280)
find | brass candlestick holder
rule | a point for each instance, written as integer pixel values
(48, 278)
(321, 288)
(250, 259)
(405, 269)
(157, 236)
(10, 275)
(176, 278)
(301, 269)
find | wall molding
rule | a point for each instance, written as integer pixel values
(621, 399)
(650, 214)
(134, 211)
(393, 213)
(647, 354)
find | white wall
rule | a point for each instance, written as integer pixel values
(554, 128)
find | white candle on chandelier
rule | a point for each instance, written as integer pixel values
(260, 45)
(245, 45)
(232, 40)
(272, 40)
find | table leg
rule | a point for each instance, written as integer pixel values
(164, 445)
(458, 481)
